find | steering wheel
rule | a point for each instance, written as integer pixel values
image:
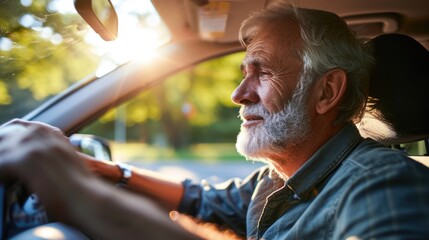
(22, 216)
(2, 195)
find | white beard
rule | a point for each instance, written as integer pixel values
(278, 130)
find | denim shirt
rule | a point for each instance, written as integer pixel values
(351, 187)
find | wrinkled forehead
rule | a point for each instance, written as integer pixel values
(275, 40)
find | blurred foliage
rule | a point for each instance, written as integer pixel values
(41, 54)
(145, 153)
(192, 106)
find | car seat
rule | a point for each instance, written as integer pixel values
(398, 104)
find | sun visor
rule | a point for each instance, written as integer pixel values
(219, 21)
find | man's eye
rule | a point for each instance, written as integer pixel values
(264, 74)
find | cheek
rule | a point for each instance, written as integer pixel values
(273, 98)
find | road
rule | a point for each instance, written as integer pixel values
(212, 172)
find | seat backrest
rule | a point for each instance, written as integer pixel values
(398, 103)
(398, 91)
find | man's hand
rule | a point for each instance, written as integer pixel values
(23, 123)
(45, 161)
(24, 145)
(42, 157)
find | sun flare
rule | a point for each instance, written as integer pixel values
(141, 32)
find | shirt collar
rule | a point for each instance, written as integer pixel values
(324, 161)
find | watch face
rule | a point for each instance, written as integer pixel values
(127, 172)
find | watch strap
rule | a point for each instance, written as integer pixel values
(126, 174)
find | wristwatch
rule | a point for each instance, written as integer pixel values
(126, 174)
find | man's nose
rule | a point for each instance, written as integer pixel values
(245, 93)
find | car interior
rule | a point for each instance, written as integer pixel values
(191, 44)
(193, 41)
(397, 93)
(203, 29)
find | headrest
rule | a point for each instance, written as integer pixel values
(398, 91)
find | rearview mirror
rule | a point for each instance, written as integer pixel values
(100, 15)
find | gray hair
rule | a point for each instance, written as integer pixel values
(328, 44)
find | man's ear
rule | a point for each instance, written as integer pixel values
(332, 87)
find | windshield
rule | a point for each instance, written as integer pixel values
(45, 46)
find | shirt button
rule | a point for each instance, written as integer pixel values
(295, 196)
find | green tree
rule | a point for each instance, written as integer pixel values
(40, 53)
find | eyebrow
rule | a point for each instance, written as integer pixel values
(252, 61)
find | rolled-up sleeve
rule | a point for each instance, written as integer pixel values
(224, 204)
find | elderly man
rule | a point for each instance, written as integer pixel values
(305, 82)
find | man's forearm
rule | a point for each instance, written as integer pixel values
(111, 213)
(165, 191)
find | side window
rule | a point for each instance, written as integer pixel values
(185, 127)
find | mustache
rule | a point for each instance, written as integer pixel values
(254, 110)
